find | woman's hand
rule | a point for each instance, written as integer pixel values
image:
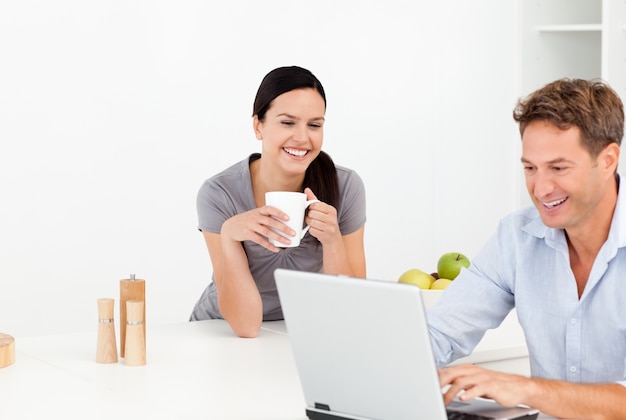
(255, 225)
(322, 219)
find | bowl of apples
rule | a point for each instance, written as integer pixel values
(434, 284)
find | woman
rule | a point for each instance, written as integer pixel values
(288, 118)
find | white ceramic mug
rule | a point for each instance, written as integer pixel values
(294, 204)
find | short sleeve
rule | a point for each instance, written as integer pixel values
(214, 207)
(352, 211)
(224, 195)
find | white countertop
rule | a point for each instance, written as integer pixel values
(194, 370)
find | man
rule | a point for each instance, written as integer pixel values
(561, 263)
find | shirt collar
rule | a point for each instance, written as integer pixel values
(617, 234)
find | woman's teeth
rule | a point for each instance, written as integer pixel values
(295, 152)
(554, 203)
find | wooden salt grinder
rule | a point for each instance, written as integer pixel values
(7, 350)
(106, 351)
(135, 336)
(130, 289)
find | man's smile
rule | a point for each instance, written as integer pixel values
(553, 204)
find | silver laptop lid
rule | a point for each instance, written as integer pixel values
(362, 350)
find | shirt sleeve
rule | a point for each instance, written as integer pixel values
(477, 300)
(214, 206)
(352, 211)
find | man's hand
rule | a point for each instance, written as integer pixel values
(556, 398)
(473, 381)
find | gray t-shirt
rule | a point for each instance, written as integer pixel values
(229, 193)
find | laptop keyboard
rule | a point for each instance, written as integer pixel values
(457, 415)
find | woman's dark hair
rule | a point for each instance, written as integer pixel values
(321, 175)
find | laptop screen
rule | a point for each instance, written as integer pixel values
(361, 347)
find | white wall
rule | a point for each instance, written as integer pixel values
(113, 113)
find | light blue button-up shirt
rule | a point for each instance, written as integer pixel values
(526, 265)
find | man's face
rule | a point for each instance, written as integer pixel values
(567, 185)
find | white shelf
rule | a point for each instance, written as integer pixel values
(590, 27)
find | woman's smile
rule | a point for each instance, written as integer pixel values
(296, 152)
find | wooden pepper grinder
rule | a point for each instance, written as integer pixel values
(106, 351)
(130, 289)
(135, 335)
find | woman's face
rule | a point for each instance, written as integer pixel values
(293, 130)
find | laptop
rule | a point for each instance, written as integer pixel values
(363, 351)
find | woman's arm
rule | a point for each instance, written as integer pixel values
(238, 297)
(342, 254)
(346, 257)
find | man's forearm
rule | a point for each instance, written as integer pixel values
(579, 401)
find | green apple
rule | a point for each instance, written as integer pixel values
(450, 264)
(440, 284)
(417, 277)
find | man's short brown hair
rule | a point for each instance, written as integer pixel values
(592, 106)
